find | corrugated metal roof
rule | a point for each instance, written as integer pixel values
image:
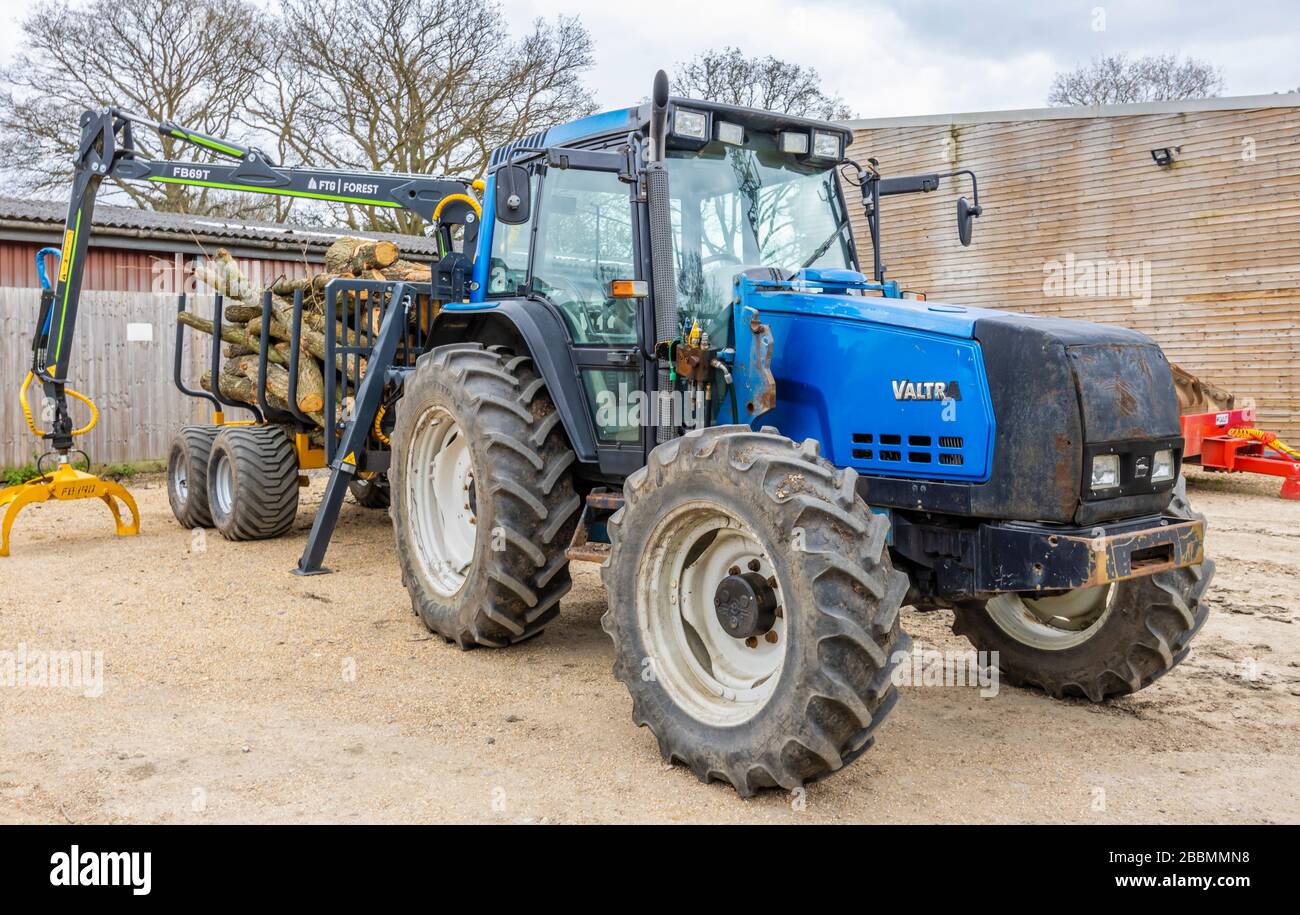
(212, 229)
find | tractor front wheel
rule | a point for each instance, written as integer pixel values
(1096, 642)
(753, 608)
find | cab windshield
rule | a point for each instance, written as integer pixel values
(737, 207)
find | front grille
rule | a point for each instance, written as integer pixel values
(942, 450)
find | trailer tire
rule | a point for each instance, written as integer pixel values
(371, 493)
(187, 475)
(485, 564)
(794, 693)
(1143, 633)
(253, 482)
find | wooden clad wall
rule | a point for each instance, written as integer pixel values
(1218, 233)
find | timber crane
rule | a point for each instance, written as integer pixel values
(106, 149)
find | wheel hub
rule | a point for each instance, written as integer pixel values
(745, 604)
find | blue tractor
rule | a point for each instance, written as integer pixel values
(671, 362)
(657, 351)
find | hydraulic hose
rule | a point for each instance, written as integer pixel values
(1268, 439)
(31, 423)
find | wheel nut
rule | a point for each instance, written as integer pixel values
(754, 565)
(734, 570)
(751, 642)
(770, 636)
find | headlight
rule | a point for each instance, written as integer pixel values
(1162, 466)
(1105, 471)
(693, 125)
(826, 145)
(733, 134)
(794, 143)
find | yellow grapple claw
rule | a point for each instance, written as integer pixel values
(65, 484)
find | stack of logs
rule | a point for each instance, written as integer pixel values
(241, 329)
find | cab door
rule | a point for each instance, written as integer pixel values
(587, 236)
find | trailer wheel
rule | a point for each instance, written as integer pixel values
(753, 607)
(252, 482)
(371, 493)
(187, 475)
(1095, 642)
(483, 504)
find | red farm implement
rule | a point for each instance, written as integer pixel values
(1228, 441)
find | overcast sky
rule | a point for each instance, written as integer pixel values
(924, 56)
(930, 56)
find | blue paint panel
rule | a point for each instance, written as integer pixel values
(593, 125)
(483, 252)
(836, 358)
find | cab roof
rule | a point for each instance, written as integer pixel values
(622, 121)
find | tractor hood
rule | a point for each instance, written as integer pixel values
(960, 409)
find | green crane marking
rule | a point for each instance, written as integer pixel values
(67, 289)
(210, 144)
(272, 190)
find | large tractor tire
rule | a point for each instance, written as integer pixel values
(187, 475)
(483, 504)
(1095, 642)
(753, 607)
(252, 482)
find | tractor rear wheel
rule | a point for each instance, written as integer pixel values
(252, 482)
(187, 475)
(483, 504)
(1095, 642)
(753, 607)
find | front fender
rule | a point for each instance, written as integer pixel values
(542, 335)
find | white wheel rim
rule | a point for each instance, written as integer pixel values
(1053, 623)
(714, 677)
(180, 481)
(224, 484)
(440, 501)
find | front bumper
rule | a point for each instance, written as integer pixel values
(997, 557)
(1029, 558)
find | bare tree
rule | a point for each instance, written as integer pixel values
(1115, 79)
(727, 75)
(190, 61)
(418, 86)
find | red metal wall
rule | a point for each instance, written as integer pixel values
(121, 270)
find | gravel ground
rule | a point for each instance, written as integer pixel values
(233, 691)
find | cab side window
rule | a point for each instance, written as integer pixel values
(584, 241)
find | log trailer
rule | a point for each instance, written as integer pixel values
(661, 355)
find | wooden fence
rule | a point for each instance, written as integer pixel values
(123, 361)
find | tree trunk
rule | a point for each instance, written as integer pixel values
(356, 255)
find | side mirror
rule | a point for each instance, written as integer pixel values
(966, 215)
(513, 194)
